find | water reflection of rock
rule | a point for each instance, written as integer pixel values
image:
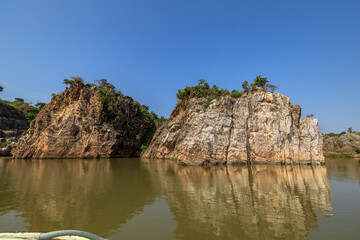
(77, 194)
(240, 202)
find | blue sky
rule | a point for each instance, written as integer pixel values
(149, 49)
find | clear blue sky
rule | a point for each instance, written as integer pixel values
(149, 49)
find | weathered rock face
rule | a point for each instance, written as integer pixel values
(345, 143)
(258, 127)
(76, 125)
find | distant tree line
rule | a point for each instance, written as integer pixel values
(350, 130)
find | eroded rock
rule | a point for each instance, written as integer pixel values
(258, 127)
(75, 124)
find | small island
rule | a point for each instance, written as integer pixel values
(211, 126)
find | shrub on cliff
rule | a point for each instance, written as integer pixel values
(73, 81)
(203, 89)
(105, 95)
(106, 91)
(260, 82)
(245, 85)
(235, 94)
(40, 105)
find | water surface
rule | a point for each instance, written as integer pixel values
(158, 199)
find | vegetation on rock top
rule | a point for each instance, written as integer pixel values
(203, 90)
(107, 94)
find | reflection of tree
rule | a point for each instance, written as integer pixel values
(77, 194)
(240, 202)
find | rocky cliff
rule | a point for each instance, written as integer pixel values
(79, 123)
(343, 143)
(257, 127)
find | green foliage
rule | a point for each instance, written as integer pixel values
(91, 84)
(143, 147)
(235, 94)
(336, 134)
(260, 82)
(184, 94)
(144, 114)
(271, 88)
(161, 119)
(19, 100)
(40, 105)
(350, 130)
(245, 85)
(357, 150)
(5, 144)
(339, 144)
(29, 111)
(202, 90)
(106, 91)
(103, 83)
(53, 94)
(310, 115)
(210, 98)
(73, 81)
(105, 95)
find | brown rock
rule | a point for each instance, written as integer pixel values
(344, 143)
(76, 125)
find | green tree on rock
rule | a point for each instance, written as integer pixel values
(245, 85)
(19, 100)
(260, 81)
(271, 88)
(73, 81)
(40, 105)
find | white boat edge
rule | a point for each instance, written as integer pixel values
(64, 235)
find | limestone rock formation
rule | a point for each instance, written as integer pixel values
(75, 124)
(258, 127)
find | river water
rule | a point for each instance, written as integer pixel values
(158, 199)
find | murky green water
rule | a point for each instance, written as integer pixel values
(139, 199)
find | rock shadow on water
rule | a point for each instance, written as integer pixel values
(242, 202)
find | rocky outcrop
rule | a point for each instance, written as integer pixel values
(343, 143)
(258, 127)
(75, 124)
